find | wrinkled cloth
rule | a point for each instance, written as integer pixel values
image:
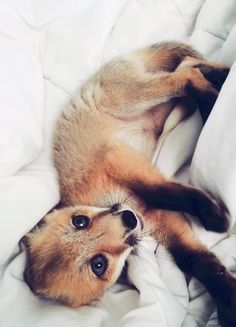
(48, 48)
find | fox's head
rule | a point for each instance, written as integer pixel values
(76, 253)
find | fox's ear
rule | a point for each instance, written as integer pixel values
(58, 206)
(24, 241)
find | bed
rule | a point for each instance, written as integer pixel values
(48, 48)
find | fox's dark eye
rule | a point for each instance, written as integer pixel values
(99, 264)
(80, 222)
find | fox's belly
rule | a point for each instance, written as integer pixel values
(142, 142)
(144, 133)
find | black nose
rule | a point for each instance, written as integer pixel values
(129, 219)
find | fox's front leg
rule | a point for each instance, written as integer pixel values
(131, 171)
(195, 259)
(178, 197)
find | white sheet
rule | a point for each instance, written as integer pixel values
(49, 48)
(21, 94)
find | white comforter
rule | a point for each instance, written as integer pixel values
(47, 48)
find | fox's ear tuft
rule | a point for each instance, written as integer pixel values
(24, 241)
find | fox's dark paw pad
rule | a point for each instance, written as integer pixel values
(215, 217)
(205, 96)
(215, 75)
(227, 310)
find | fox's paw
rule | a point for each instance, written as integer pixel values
(214, 215)
(227, 307)
(215, 75)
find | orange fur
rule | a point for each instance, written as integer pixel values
(103, 144)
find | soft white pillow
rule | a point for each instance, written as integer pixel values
(21, 94)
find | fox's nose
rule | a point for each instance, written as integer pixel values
(129, 219)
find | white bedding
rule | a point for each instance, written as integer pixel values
(48, 47)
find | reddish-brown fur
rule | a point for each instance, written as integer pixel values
(103, 144)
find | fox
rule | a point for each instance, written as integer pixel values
(112, 195)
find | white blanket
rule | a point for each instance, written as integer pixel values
(48, 48)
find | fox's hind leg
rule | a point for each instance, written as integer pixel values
(128, 95)
(171, 56)
(215, 73)
(195, 259)
(155, 75)
(166, 56)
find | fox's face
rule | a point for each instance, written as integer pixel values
(78, 252)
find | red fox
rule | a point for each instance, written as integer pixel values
(103, 144)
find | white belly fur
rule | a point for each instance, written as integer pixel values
(142, 134)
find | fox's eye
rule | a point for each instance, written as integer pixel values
(80, 222)
(99, 264)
